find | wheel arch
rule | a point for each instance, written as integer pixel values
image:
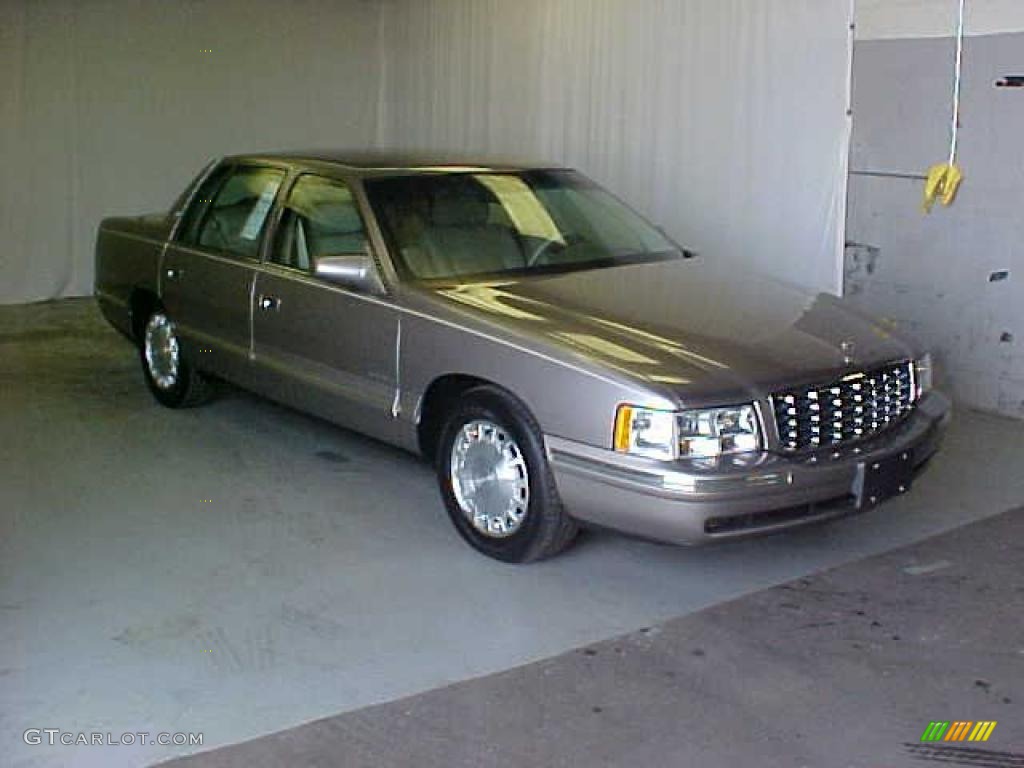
(437, 400)
(141, 303)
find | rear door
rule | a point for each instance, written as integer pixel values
(208, 271)
(318, 346)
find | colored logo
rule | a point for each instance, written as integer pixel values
(959, 730)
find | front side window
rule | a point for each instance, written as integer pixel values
(485, 224)
(236, 214)
(320, 218)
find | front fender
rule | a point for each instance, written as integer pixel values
(568, 400)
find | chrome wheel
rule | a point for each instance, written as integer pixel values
(161, 351)
(489, 478)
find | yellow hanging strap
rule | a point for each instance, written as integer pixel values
(944, 179)
(942, 183)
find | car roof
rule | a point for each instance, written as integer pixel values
(392, 163)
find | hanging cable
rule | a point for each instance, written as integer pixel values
(957, 71)
(943, 181)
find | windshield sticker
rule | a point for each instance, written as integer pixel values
(522, 206)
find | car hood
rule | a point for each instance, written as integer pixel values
(696, 329)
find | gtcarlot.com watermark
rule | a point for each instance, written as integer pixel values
(55, 737)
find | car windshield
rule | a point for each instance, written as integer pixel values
(461, 225)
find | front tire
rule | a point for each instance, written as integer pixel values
(496, 482)
(174, 382)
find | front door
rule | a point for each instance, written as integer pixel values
(318, 346)
(207, 272)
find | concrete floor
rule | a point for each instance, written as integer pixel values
(845, 668)
(242, 568)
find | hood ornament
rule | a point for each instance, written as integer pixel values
(847, 349)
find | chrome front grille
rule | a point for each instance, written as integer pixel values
(852, 408)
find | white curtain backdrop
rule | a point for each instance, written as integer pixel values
(109, 107)
(723, 120)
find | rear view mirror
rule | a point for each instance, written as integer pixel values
(350, 270)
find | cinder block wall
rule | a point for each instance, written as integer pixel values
(954, 277)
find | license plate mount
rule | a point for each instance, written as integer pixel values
(883, 478)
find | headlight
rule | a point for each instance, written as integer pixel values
(923, 374)
(715, 431)
(646, 432)
(695, 434)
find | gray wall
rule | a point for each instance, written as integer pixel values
(110, 106)
(877, 19)
(939, 274)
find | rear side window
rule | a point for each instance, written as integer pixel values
(177, 208)
(231, 210)
(199, 204)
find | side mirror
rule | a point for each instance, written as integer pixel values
(350, 270)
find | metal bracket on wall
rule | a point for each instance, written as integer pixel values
(890, 175)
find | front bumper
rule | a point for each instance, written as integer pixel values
(685, 502)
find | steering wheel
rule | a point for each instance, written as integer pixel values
(569, 241)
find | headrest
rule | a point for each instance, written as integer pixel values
(330, 217)
(243, 188)
(463, 211)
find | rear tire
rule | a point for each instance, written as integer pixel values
(496, 482)
(172, 379)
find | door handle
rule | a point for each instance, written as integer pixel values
(267, 303)
(174, 273)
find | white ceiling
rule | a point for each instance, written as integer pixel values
(935, 18)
